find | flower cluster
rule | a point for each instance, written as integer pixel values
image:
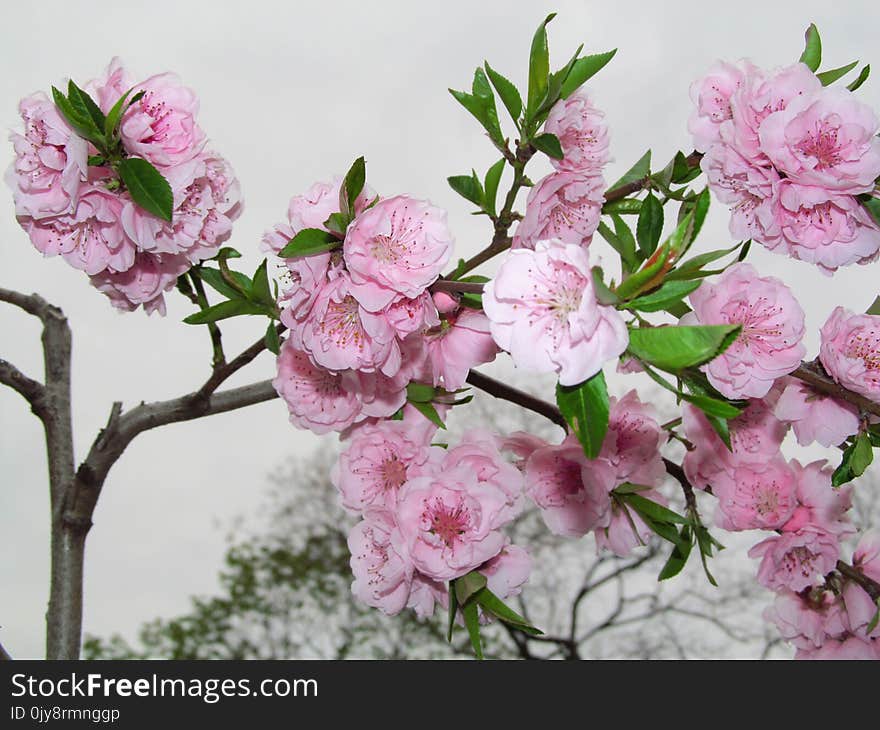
(789, 156)
(71, 203)
(567, 203)
(362, 322)
(429, 514)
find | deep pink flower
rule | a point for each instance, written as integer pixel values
(815, 416)
(543, 311)
(755, 496)
(632, 442)
(378, 461)
(564, 206)
(382, 570)
(582, 133)
(571, 491)
(460, 341)
(796, 560)
(850, 351)
(161, 126)
(450, 522)
(826, 139)
(144, 283)
(769, 345)
(399, 246)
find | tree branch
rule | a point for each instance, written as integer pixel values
(505, 392)
(227, 370)
(871, 587)
(814, 375)
(31, 390)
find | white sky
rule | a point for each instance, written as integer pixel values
(291, 93)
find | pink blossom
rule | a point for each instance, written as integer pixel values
(461, 341)
(632, 442)
(50, 161)
(814, 416)
(426, 593)
(444, 302)
(860, 611)
(90, 238)
(769, 344)
(144, 283)
(820, 504)
(582, 133)
(867, 554)
(564, 206)
(318, 399)
(108, 88)
(382, 571)
(796, 560)
(542, 309)
(161, 126)
(850, 351)
(826, 139)
(625, 529)
(807, 620)
(450, 522)
(820, 227)
(571, 491)
(407, 316)
(711, 97)
(508, 571)
(380, 395)
(850, 647)
(399, 246)
(378, 461)
(755, 496)
(522, 445)
(308, 276)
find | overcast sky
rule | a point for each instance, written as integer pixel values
(291, 93)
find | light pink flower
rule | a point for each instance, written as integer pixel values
(769, 345)
(850, 647)
(108, 88)
(399, 246)
(825, 139)
(571, 491)
(796, 560)
(318, 399)
(450, 522)
(407, 316)
(755, 496)
(582, 133)
(542, 309)
(564, 206)
(378, 461)
(508, 571)
(460, 342)
(625, 529)
(161, 126)
(382, 571)
(815, 416)
(632, 442)
(90, 238)
(819, 503)
(867, 554)
(522, 445)
(807, 620)
(50, 161)
(144, 283)
(711, 97)
(425, 593)
(820, 227)
(860, 611)
(850, 351)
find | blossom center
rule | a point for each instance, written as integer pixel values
(447, 522)
(342, 322)
(865, 346)
(822, 145)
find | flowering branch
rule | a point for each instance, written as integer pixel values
(871, 587)
(813, 374)
(505, 392)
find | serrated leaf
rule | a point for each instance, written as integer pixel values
(309, 241)
(86, 108)
(352, 186)
(429, 412)
(465, 186)
(649, 226)
(585, 408)
(477, 107)
(812, 55)
(539, 66)
(420, 393)
(688, 268)
(625, 248)
(604, 295)
(148, 189)
(214, 279)
(467, 585)
(638, 171)
(584, 69)
(482, 90)
(668, 293)
(679, 556)
(829, 77)
(652, 510)
(491, 182)
(82, 126)
(861, 78)
(872, 205)
(273, 341)
(261, 291)
(857, 457)
(472, 624)
(224, 310)
(672, 348)
(549, 145)
(115, 114)
(493, 605)
(509, 94)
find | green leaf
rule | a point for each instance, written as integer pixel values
(583, 69)
(585, 408)
(429, 412)
(227, 252)
(714, 407)
(861, 78)
(829, 77)
(309, 241)
(472, 624)
(539, 66)
(493, 605)
(857, 457)
(554, 87)
(82, 126)
(352, 186)
(625, 248)
(872, 624)
(639, 171)
(872, 205)
(624, 206)
(337, 223)
(701, 208)
(453, 608)
(688, 269)
(148, 189)
(214, 279)
(669, 293)
(681, 550)
(477, 107)
(624, 234)
(650, 509)
(225, 310)
(86, 108)
(467, 585)
(604, 295)
(812, 55)
(649, 227)
(261, 291)
(492, 180)
(420, 393)
(114, 115)
(507, 91)
(549, 145)
(467, 187)
(96, 161)
(273, 341)
(483, 91)
(672, 348)
(875, 307)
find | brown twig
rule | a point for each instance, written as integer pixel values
(505, 392)
(871, 587)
